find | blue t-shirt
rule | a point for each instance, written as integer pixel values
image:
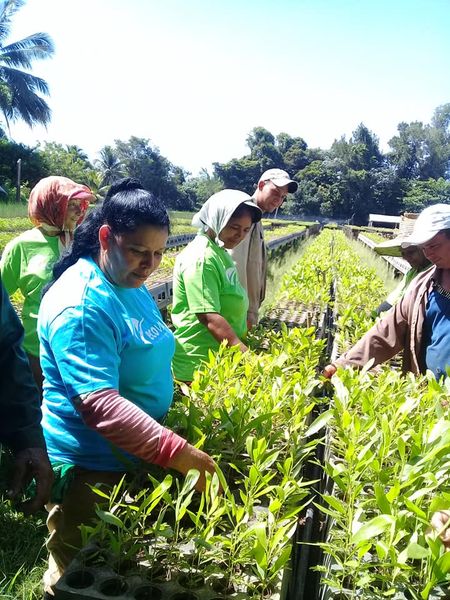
(437, 333)
(96, 335)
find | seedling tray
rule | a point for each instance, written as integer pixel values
(293, 314)
(88, 578)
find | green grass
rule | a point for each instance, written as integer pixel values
(5, 238)
(15, 224)
(22, 552)
(11, 209)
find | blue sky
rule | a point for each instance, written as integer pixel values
(195, 76)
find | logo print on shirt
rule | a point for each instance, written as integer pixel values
(231, 274)
(39, 264)
(151, 333)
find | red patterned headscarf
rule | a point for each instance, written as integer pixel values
(47, 204)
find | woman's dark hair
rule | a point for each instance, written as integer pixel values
(246, 209)
(126, 207)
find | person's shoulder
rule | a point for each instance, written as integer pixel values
(424, 277)
(79, 290)
(199, 248)
(77, 282)
(417, 288)
(31, 238)
(20, 240)
(34, 235)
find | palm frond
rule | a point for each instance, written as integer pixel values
(22, 53)
(21, 79)
(8, 8)
(19, 90)
(22, 101)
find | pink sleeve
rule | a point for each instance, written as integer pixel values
(128, 427)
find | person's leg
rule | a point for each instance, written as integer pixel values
(78, 507)
(35, 366)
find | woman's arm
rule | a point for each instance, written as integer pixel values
(128, 427)
(220, 329)
(10, 267)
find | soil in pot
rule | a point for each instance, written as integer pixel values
(191, 581)
(184, 596)
(114, 586)
(126, 567)
(222, 585)
(147, 592)
(94, 557)
(158, 573)
(80, 579)
(258, 591)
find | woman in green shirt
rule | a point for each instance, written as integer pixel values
(209, 303)
(56, 206)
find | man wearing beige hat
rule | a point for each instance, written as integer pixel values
(250, 255)
(419, 323)
(413, 255)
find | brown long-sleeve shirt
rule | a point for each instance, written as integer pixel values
(400, 329)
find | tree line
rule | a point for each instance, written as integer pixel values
(348, 181)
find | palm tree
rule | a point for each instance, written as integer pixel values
(77, 152)
(110, 165)
(19, 89)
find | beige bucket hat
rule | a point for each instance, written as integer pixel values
(393, 247)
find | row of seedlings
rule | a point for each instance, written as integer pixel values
(388, 448)
(307, 294)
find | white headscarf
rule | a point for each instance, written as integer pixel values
(217, 210)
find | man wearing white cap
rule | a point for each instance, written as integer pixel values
(419, 323)
(411, 254)
(250, 255)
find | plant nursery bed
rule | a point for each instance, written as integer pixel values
(329, 593)
(93, 576)
(293, 314)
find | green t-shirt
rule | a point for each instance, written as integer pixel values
(205, 281)
(26, 265)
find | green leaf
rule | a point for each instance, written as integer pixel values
(190, 480)
(416, 551)
(443, 562)
(382, 549)
(108, 517)
(393, 492)
(383, 503)
(346, 419)
(372, 528)
(282, 558)
(339, 506)
(415, 509)
(318, 423)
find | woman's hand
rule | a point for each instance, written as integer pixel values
(440, 521)
(329, 371)
(193, 458)
(220, 329)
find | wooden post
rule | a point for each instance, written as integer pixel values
(19, 169)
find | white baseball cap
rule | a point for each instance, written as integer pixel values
(279, 178)
(430, 222)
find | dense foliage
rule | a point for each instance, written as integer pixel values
(348, 181)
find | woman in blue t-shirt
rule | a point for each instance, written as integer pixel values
(106, 357)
